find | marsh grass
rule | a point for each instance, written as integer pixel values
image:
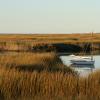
(26, 42)
(47, 85)
(33, 61)
(22, 84)
(46, 78)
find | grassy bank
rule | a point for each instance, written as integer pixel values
(42, 42)
(42, 76)
(52, 86)
(56, 38)
(32, 61)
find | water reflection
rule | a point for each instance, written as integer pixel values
(83, 70)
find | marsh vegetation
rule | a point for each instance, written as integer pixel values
(42, 75)
(48, 42)
(34, 76)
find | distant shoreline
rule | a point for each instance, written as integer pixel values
(49, 42)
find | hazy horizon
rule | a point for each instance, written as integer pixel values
(54, 16)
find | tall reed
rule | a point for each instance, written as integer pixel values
(21, 80)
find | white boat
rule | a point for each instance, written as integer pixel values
(83, 60)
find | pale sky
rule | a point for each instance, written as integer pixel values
(49, 16)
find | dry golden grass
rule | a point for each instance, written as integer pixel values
(32, 61)
(20, 81)
(35, 76)
(48, 85)
(31, 74)
(15, 84)
(27, 41)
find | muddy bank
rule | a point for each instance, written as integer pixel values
(66, 48)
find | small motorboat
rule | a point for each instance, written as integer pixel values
(82, 60)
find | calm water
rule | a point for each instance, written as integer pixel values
(82, 69)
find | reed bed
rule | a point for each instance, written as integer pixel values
(15, 84)
(26, 42)
(33, 61)
(18, 85)
(42, 76)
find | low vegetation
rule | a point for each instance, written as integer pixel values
(42, 76)
(43, 42)
(32, 61)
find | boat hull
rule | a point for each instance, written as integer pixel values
(82, 62)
